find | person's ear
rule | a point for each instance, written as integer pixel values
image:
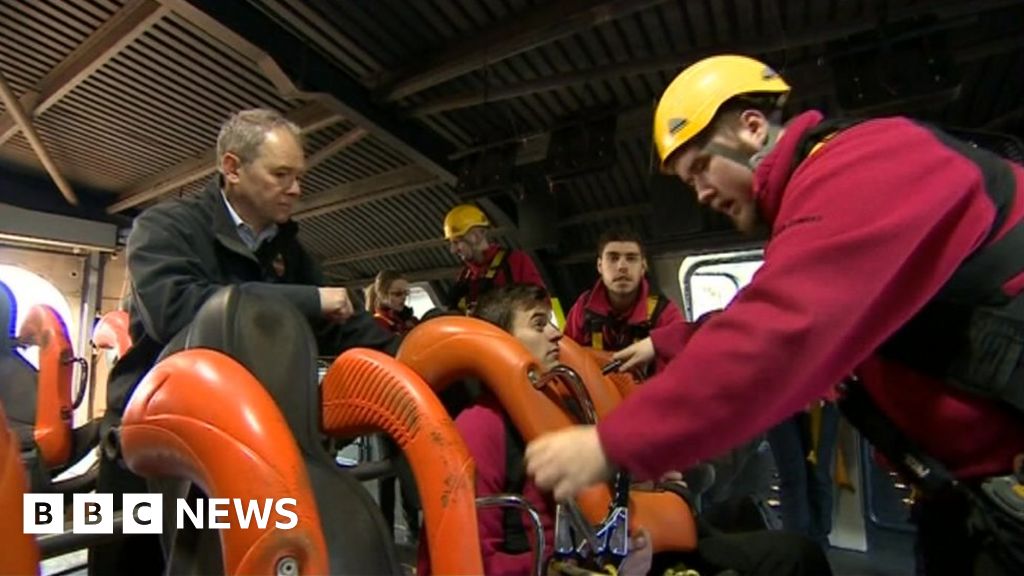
(230, 165)
(643, 265)
(599, 266)
(754, 127)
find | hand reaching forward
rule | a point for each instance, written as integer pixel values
(335, 303)
(636, 355)
(567, 461)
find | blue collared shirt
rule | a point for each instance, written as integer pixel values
(249, 236)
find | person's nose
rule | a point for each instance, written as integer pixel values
(553, 333)
(705, 193)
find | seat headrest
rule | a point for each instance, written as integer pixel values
(271, 338)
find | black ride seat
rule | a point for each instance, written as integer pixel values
(271, 338)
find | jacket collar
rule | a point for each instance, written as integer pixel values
(479, 269)
(224, 227)
(774, 172)
(599, 304)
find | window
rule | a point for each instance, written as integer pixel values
(420, 299)
(710, 281)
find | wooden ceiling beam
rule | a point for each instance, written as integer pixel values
(676, 62)
(122, 29)
(22, 121)
(516, 34)
(309, 116)
(352, 194)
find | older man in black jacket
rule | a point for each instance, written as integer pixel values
(238, 231)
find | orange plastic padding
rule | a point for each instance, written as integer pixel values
(200, 415)
(582, 359)
(448, 349)
(44, 328)
(366, 391)
(111, 332)
(20, 556)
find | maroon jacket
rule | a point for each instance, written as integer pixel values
(473, 281)
(864, 234)
(398, 323)
(596, 302)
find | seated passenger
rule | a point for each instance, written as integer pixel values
(492, 441)
(386, 298)
(621, 308)
(524, 311)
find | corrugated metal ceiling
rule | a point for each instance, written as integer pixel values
(159, 101)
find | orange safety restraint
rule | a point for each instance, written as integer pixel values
(21, 555)
(444, 350)
(175, 425)
(44, 328)
(367, 391)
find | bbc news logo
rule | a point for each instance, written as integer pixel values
(144, 513)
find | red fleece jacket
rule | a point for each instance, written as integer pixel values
(864, 233)
(596, 301)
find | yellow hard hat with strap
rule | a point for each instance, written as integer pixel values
(461, 219)
(691, 101)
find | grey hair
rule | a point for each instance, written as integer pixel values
(244, 133)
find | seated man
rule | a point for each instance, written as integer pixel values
(238, 231)
(621, 308)
(525, 312)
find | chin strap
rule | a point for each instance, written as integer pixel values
(739, 157)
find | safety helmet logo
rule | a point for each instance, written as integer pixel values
(676, 124)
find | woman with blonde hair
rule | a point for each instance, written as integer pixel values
(385, 299)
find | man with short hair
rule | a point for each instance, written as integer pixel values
(621, 308)
(486, 265)
(894, 253)
(237, 231)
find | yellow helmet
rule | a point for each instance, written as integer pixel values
(461, 218)
(690, 102)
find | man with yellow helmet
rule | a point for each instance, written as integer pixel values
(485, 265)
(895, 252)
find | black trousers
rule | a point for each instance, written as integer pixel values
(759, 553)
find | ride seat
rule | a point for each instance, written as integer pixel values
(111, 333)
(39, 402)
(21, 555)
(270, 338)
(17, 377)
